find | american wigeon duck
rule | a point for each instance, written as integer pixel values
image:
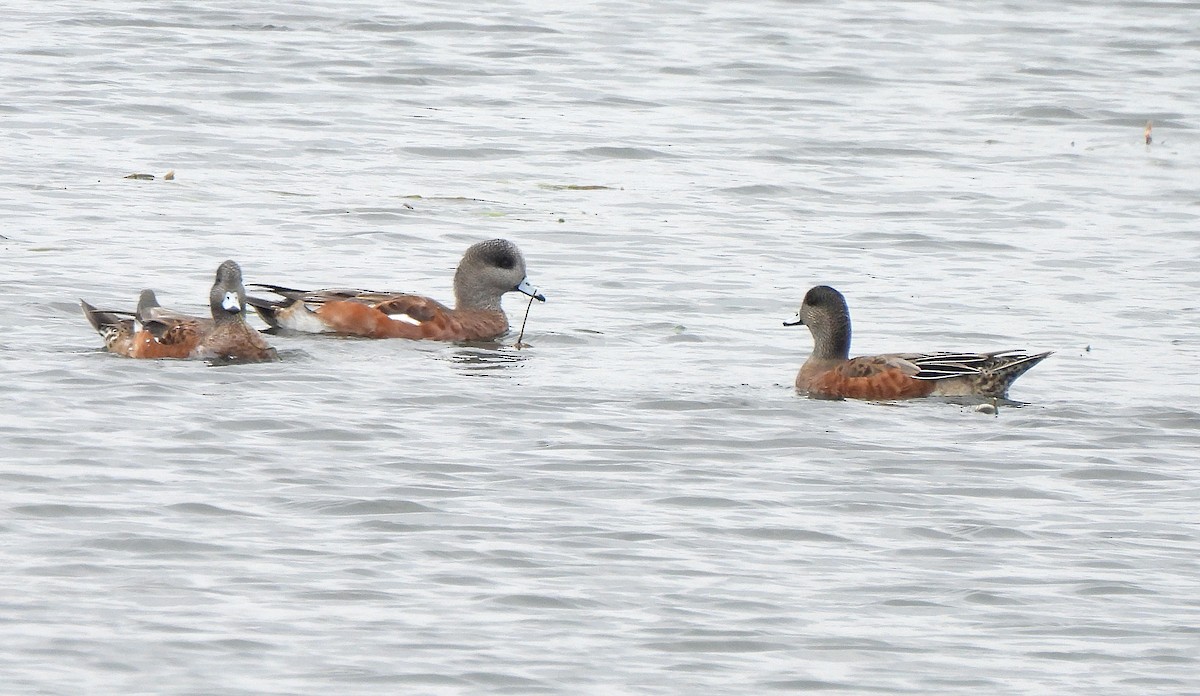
(831, 373)
(487, 271)
(153, 331)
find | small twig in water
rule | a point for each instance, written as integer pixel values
(521, 333)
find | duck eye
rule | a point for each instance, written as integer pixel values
(505, 261)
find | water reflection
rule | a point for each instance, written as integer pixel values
(484, 359)
(281, 355)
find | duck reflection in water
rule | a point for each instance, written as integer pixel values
(485, 359)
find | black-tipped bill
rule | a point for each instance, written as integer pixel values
(528, 289)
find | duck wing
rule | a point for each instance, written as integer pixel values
(867, 366)
(945, 365)
(369, 297)
(413, 309)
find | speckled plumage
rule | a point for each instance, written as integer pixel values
(153, 331)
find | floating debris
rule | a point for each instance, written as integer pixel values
(574, 187)
(520, 344)
(169, 176)
(1149, 127)
(419, 197)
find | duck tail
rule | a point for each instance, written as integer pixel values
(268, 309)
(104, 321)
(1012, 364)
(279, 314)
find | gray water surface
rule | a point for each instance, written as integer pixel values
(638, 502)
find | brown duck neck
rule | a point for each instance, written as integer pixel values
(222, 316)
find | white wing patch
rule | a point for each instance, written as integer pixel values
(404, 318)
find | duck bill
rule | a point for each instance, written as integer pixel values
(796, 321)
(526, 288)
(231, 303)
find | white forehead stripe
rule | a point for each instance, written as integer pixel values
(404, 318)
